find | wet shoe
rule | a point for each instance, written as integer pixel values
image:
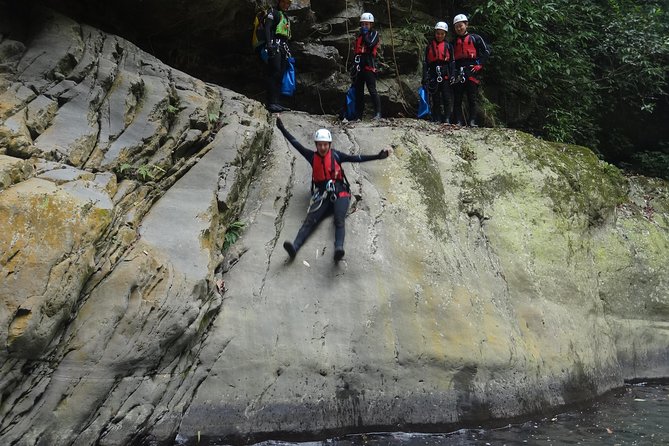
(377, 116)
(338, 254)
(282, 108)
(274, 108)
(290, 249)
(472, 123)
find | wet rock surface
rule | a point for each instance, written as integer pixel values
(487, 274)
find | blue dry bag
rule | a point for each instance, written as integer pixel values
(288, 83)
(262, 52)
(349, 113)
(423, 105)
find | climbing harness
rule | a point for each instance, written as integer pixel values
(329, 191)
(461, 78)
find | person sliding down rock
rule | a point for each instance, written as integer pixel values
(331, 192)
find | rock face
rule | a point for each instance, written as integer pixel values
(487, 274)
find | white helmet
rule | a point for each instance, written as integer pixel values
(442, 26)
(367, 17)
(323, 135)
(460, 18)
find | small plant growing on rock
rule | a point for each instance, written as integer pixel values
(144, 172)
(232, 234)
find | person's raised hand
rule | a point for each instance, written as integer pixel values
(385, 153)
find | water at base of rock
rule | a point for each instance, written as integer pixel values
(634, 415)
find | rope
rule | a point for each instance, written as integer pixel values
(397, 70)
(348, 38)
(320, 28)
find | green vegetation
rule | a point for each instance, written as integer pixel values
(584, 185)
(589, 72)
(417, 34)
(426, 174)
(144, 172)
(652, 163)
(172, 107)
(233, 232)
(172, 110)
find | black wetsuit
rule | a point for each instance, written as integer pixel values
(467, 61)
(278, 54)
(319, 210)
(364, 71)
(438, 69)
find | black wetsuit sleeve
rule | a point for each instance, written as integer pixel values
(270, 25)
(306, 153)
(344, 158)
(482, 51)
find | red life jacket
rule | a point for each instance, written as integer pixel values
(326, 168)
(438, 52)
(361, 48)
(464, 48)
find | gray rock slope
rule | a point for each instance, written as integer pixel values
(487, 275)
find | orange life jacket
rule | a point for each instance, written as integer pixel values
(325, 168)
(361, 48)
(464, 48)
(438, 52)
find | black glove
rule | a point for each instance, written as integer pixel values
(272, 50)
(383, 154)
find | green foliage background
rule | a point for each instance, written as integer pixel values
(592, 72)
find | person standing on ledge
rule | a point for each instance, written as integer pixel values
(470, 53)
(277, 34)
(437, 71)
(330, 189)
(364, 69)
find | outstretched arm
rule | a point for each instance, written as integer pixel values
(308, 154)
(344, 158)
